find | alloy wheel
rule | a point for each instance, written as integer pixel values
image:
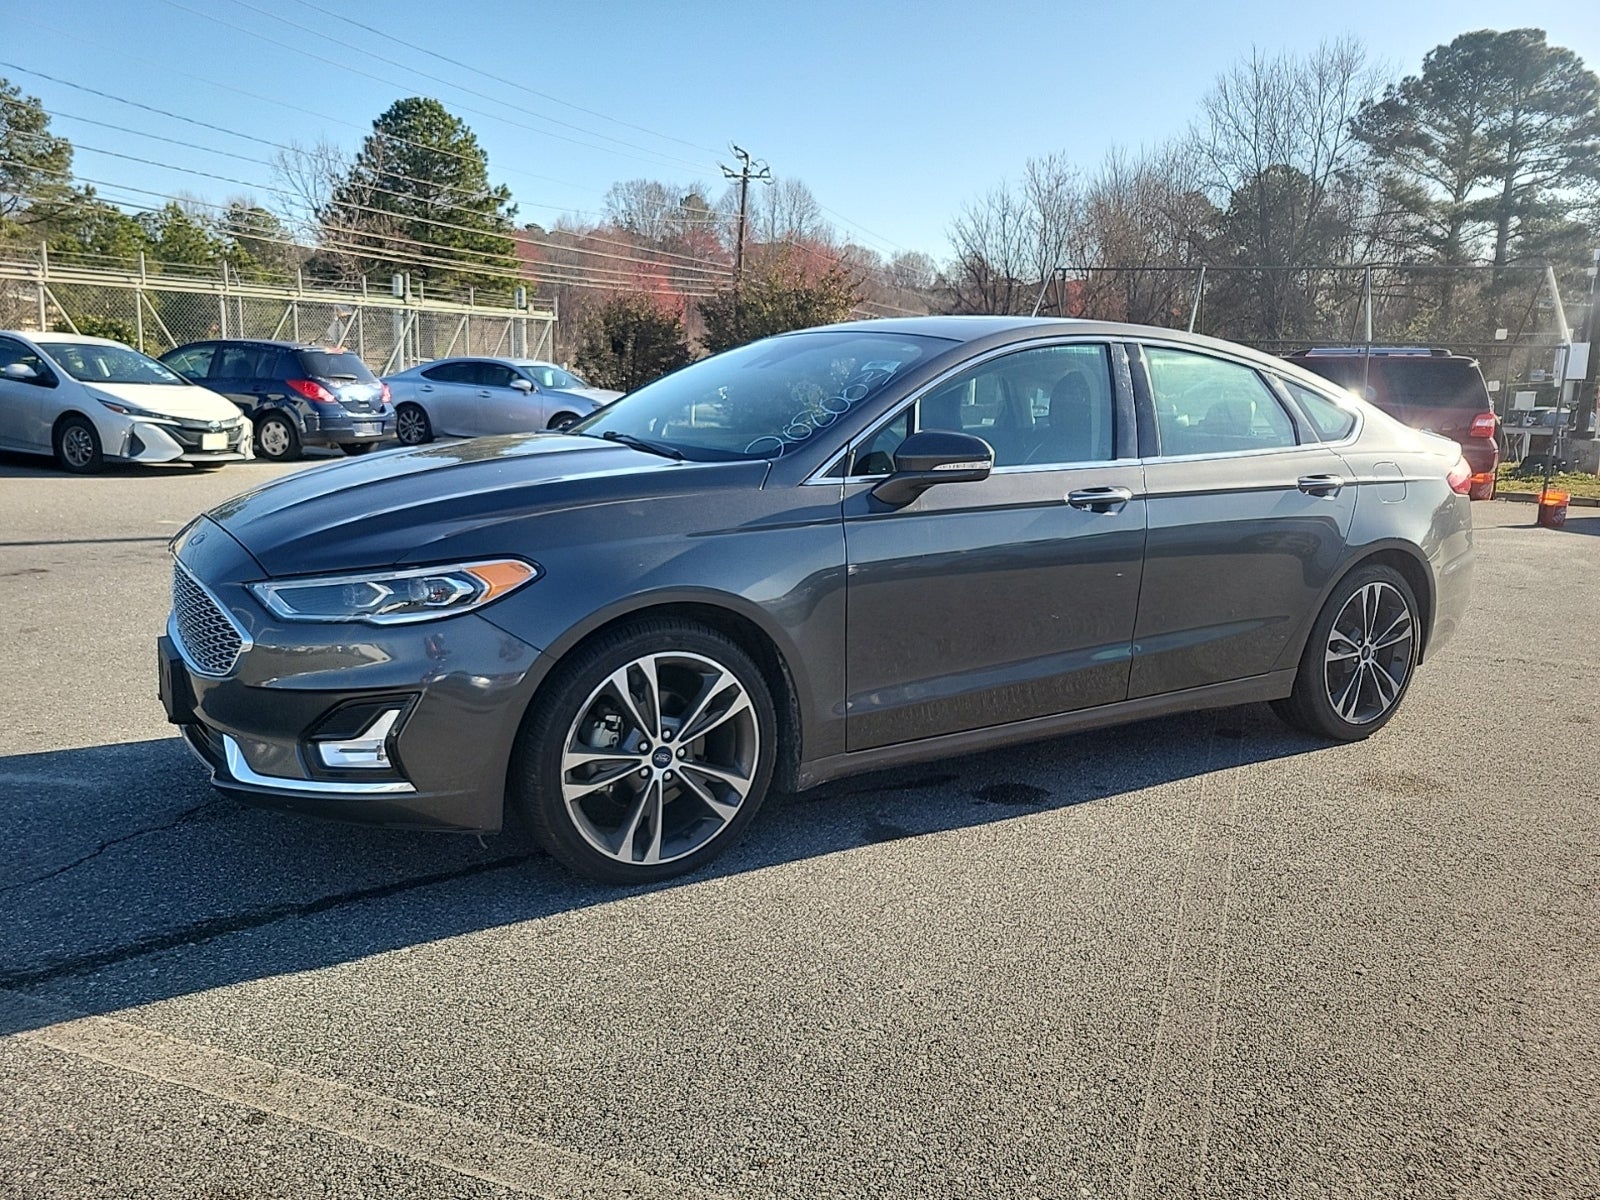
(411, 426)
(1369, 653)
(659, 758)
(77, 447)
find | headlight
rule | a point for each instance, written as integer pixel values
(133, 410)
(395, 597)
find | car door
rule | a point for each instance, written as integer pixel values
(1248, 514)
(447, 390)
(240, 372)
(503, 408)
(24, 422)
(984, 603)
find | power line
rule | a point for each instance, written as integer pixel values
(654, 158)
(520, 87)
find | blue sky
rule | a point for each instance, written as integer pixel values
(895, 115)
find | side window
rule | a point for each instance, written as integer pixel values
(15, 352)
(1208, 405)
(495, 375)
(1332, 422)
(449, 372)
(193, 363)
(237, 362)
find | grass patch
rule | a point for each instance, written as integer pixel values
(1574, 483)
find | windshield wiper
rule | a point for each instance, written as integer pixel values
(639, 443)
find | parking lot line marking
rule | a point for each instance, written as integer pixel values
(435, 1136)
(1172, 1144)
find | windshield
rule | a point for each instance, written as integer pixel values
(764, 399)
(552, 377)
(91, 362)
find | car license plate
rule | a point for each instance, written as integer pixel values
(363, 429)
(213, 441)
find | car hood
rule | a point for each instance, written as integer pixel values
(599, 396)
(169, 400)
(405, 505)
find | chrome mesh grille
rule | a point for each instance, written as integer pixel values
(210, 641)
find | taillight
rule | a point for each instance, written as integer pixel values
(311, 390)
(387, 396)
(1483, 425)
(1460, 478)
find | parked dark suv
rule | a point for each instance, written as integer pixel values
(296, 395)
(1426, 389)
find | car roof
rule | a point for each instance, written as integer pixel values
(270, 343)
(48, 337)
(996, 328)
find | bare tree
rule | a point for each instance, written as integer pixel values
(308, 179)
(1010, 240)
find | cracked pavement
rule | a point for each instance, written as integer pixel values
(1194, 957)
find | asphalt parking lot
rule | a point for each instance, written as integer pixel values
(1194, 957)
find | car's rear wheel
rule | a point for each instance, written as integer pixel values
(77, 446)
(355, 448)
(277, 438)
(562, 421)
(1359, 658)
(411, 425)
(647, 753)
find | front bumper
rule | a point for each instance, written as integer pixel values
(461, 686)
(184, 441)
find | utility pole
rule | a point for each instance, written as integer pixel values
(749, 169)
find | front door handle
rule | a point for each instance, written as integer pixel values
(1321, 485)
(1100, 499)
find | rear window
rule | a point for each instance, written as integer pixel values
(1432, 383)
(335, 364)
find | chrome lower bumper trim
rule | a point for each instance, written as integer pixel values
(242, 773)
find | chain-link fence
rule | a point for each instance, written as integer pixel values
(157, 311)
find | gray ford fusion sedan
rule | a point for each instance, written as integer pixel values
(835, 550)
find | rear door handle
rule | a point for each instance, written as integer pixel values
(1321, 485)
(486, 393)
(427, 387)
(1100, 499)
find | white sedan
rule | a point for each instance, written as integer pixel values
(90, 400)
(473, 397)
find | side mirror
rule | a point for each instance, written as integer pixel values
(931, 457)
(21, 372)
(523, 385)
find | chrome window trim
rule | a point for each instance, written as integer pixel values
(821, 473)
(242, 772)
(246, 642)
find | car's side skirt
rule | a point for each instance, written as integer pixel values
(1274, 685)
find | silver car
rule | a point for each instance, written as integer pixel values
(88, 401)
(474, 397)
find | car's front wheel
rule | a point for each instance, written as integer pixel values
(1359, 658)
(77, 446)
(647, 753)
(563, 421)
(411, 425)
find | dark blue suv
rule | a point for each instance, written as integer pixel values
(296, 395)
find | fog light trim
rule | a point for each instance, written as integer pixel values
(368, 750)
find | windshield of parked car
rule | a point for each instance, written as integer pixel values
(94, 363)
(765, 399)
(552, 377)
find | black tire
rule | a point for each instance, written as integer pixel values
(576, 691)
(411, 425)
(1338, 692)
(354, 449)
(277, 440)
(562, 421)
(77, 445)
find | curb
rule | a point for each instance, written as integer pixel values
(1533, 498)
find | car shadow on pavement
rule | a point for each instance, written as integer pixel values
(127, 879)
